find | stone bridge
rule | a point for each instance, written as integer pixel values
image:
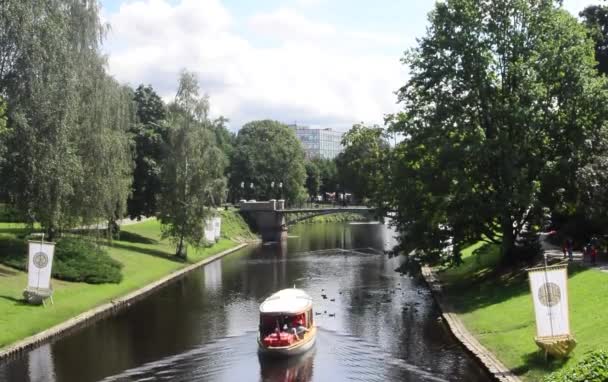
(271, 218)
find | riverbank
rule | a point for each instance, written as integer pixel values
(496, 308)
(145, 258)
(341, 217)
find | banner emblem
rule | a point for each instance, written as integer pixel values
(549, 294)
(40, 260)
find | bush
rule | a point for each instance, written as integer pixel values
(8, 214)
(13, 251)
(593, 368)
(82, 260)
(75, 259)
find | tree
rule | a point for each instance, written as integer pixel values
(104, 149)
(313, 179)
(503, 96)
(3, 130)
(150, 134)
(224, 138)
(328, 174)
(266, 153)
(361, 166)
(193, 172)
(60, 105)
(595, 18)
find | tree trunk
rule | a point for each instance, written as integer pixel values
(180, 248)
(50, 234)
(508, 238)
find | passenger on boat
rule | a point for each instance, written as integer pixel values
(300, 329)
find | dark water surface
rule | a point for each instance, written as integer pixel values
(382, 326)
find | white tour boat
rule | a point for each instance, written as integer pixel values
(286, 323)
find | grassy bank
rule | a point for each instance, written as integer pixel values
(497, 308)
(145, 259)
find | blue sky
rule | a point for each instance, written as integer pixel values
(326, 63)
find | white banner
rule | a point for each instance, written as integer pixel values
(40, 264)
(209, 231)
(217, 225)
(549, 289)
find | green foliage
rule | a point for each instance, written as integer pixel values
(595, 18)
(502, 108)
(13, 251)
(193, 172)
(266, 153)
(362, 164)
(84, 261)
(75, 259)
(313, 178)
(69, 160)
(328, 173)
(234, 227)
(332, 218)
(593, 368)
(104, 150)
(224, 138)
(150, 134)
(3, 131)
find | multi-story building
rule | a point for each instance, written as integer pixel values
(319, 143)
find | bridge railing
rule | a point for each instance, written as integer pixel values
(270, 205)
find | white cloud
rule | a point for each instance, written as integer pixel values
(576, 6)
(311, 73)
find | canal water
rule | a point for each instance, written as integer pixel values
(375, 324)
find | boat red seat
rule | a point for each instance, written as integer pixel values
(279, 339)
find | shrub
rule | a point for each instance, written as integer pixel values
(75, 259)
(82, 260)
(8, 214)
(593, 368)
(13, 251)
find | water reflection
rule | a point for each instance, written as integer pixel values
(40, 364)
(295, 369)
(213, 276)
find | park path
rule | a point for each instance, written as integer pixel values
(555, 252)
(121, 222)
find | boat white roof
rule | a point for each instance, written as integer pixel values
(288, 301)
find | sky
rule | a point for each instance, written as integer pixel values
(322, 63)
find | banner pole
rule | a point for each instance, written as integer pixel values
(548, 290)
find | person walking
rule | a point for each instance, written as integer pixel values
(593, 253)
(565, 248)
(570, 244)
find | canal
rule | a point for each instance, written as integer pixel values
(375, 324)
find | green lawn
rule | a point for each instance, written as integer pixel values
(497, 308)
(145, 258)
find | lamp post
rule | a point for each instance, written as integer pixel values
(251, 186)
(242, 190)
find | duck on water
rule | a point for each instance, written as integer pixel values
(286, 323)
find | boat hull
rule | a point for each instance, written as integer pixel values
(297, 348)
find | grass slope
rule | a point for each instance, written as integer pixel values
(497, 308)
(145, 259)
